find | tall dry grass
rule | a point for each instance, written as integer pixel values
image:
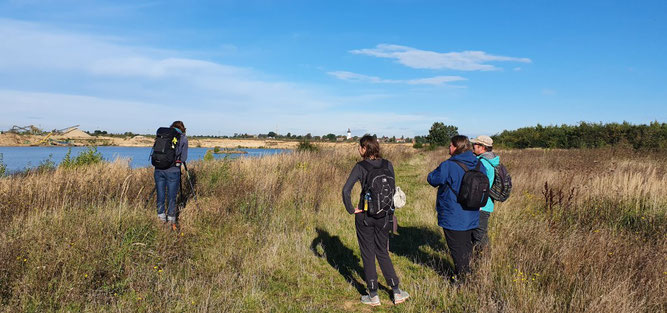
(583, 231)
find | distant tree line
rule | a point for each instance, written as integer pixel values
(586, 135)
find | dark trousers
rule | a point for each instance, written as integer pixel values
(480, 237)
(373, 237)
(460, 247)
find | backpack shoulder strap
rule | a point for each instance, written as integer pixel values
(367, 166)
(463, 166)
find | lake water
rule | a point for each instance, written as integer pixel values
(20, 158)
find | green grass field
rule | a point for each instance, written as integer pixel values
(271, 235)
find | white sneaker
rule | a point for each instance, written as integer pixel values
(372, 301)
(401, 297)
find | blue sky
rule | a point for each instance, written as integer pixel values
(384, 67)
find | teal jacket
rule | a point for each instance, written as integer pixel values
(490, 161)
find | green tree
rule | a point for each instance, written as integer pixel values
(272, 134)
(440, 134)
(330, 137)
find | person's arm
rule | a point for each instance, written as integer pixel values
(355, 175)
(183, 145)
(439, 175)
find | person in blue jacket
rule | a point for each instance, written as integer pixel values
(458, 224)
(482, 147)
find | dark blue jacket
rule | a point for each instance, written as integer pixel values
(450, 213)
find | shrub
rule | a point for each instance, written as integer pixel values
(209, 156)
(86, 157)
(46, 165)
(3, 167)
(418, 145)
(306, 146)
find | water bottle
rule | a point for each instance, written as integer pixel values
(367, 199)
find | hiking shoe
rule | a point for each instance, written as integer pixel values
(401, 296)
(162, 217)
(372, 301)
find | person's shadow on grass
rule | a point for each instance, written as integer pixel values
(409, 243)
(342, 259)
(339, 257)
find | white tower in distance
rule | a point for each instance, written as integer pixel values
(349, 134)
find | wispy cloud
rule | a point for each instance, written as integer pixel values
(549, 92)
(435, 81)
(61, 77)
(422, 59)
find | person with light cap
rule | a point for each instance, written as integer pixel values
(483, 149)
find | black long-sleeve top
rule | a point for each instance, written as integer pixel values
(359, 174)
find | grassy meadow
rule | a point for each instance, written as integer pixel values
(584, 231)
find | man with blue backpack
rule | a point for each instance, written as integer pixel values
(500, 183)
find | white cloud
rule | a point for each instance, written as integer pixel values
(422, 59)
(56, 78)
(437, 80)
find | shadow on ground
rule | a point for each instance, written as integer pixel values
(342, 259)
(339, 257)
(411, 243)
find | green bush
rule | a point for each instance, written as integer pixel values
(3, 167)
(86, 157)
(46, 165)
(418, 145)
(306, 146)
(209, 156)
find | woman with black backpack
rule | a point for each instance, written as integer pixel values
(169, 151)
(372, 220)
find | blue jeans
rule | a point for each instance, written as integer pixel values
(171, 180)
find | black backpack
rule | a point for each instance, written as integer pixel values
(474, 191)
(378, 189)
(502, 184)
(163, 155)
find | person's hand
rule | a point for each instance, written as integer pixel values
(356, 210)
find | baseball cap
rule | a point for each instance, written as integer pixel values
(483, 140)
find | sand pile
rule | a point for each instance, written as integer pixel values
(139, 141)
(9, 139)
(74, 134)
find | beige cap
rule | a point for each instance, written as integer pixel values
(483, 140)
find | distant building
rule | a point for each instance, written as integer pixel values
(349, 134)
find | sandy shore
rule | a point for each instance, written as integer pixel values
(14, 140)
